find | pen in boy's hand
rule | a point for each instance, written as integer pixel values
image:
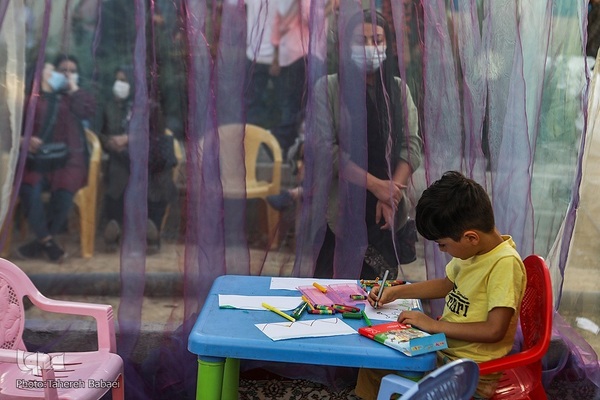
(385, 275)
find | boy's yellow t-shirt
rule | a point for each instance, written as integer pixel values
(481, 283)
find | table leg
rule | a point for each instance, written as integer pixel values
(210, 378)
(231, 379)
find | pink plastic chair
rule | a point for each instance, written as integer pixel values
(30, 375)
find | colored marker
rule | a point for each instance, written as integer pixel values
(323, 307)
(299, 310)
(321, 288)
(352, 315)
(367, 320)
(358, 297)
(307, 301)
(344, 308)
(279, 312)
(321, 311)
(385, 275)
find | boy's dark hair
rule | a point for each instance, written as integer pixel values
(453, 205)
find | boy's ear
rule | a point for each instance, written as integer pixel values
(472, 236)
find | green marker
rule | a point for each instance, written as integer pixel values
(352, 315)
(299, 310)
(367, 320)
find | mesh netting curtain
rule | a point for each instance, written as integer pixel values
(500, 88)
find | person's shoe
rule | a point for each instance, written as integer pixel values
(53, 251)
(29, 250)
(152, 238)
(281, 201)
(112, 234)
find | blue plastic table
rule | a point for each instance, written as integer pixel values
(221, 337)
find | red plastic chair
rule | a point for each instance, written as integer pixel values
(28, 375)
(522, 377)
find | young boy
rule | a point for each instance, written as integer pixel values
(484, 283)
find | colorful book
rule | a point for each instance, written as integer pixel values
(410, 341)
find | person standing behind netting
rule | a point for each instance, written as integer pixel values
(260, 84)
(371, 146)
(290, 38)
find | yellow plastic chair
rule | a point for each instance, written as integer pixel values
(86, 198)
(178, 172)
(254, 138)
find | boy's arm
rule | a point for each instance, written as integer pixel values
(431, 289)
(490, 331)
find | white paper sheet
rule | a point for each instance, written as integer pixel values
(283, 303)
(293, 283)
(306, 328)
(390, 311)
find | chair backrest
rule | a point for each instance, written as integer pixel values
(14, 285)
(256, 136)
(453, 381)
(537, 307)
(535, 320)
(95, 157)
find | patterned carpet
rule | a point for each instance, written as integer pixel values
(279, 389)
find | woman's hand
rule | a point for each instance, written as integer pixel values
(387, 191)
(34, 144)
(387, 212)
(118, 143)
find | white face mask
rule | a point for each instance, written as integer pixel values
(74, 78)
(57, 81)
(370, 57)
(121, 90)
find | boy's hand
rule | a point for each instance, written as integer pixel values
(386, 297)
(416, 319)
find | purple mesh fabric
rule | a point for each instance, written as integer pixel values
(501, 93)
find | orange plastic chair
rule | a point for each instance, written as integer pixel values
(522, 371)
(28, 375)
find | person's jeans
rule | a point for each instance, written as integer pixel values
(257, 79)
(58, 210)
(292, 85)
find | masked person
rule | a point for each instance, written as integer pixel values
(61, 110)
(367, 131)
(114, 136)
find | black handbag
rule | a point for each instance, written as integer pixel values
(50, 155)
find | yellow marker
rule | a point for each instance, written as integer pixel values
(276, 311)
(307, 301)
(321, 288)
